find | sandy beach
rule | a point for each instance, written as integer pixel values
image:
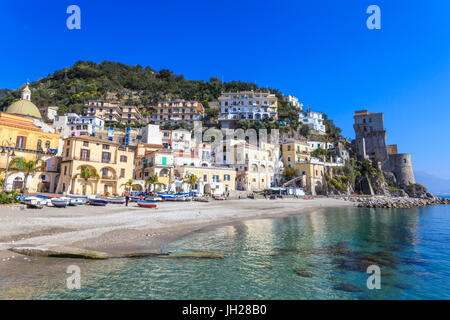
(117, 229)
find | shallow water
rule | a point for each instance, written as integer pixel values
(319, 255)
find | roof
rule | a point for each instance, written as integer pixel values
(24, 108)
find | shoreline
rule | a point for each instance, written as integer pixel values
(118, 230)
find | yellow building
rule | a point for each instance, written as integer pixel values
(255, 166)
(19, 127)
(211, 180)
(114, 165)
(159, 162)
(295, 152)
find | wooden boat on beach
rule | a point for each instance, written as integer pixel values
(147, 204)
(116, 200)
(33, 202)
(60, 202)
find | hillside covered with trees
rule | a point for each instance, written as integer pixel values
(72, 87)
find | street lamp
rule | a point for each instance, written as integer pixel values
(8, 149)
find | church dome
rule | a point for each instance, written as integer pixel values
(24, 108)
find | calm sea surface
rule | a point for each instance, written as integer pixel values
(320, 255)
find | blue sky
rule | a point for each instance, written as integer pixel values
(320, 51)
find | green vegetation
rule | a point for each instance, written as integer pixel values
(28, 168)
(319, 153)
(130, 185)
(72, 87)
(289, 173)
(86, 175)
(191, 180)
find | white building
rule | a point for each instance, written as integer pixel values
(293, 101)
(151, 134)
(314, 145)
(314, 120)
(247, 105)
(74, 125)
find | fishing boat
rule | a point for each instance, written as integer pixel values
(168, 196)
(76, 196)
(152, 198)
(97, 202)
(76, 202)
(116, 200)
(147, 204)
(220, 198)
(33, 202)
(60, 202)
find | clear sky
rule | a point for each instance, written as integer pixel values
(320, 51)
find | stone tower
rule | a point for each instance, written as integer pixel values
(370, 144)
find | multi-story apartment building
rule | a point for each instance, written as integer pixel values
(177, 112)
(178, 140)
(112, 111)
(315, 120)
(247, 105)
(71, 125)
(127, 137)
(113, 163)
(295, 151)
(157, 162)
(255, 166)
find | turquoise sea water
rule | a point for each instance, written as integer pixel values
(319, 255)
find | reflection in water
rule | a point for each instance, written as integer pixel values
(319, 255)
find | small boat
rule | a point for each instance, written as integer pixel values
(134, 199)
(147, 204)
(76, 202)
(97, 202)
(33, 202)
(60, 202)
(151, 198)
(219, 198)
(76, 196)
(116, 200)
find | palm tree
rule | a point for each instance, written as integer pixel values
(191, 180)
(130, 185)
(87, 174)
(152, 181)
(29, 168)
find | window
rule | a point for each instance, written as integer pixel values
(47, 144)
(164, 161)
(65, 171)
(67, 152)
(122, 173)
(105, 172)
(106, 146)
(106, 156)
(123, 158)
(226, 177)
(21, 142)
(85, 143)
(205, 177)
(84, 154)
